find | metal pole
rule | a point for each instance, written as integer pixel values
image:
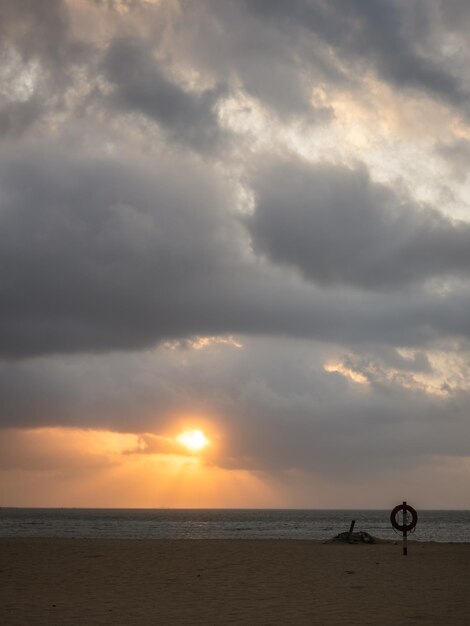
(405, 541)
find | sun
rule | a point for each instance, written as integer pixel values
(193, 440)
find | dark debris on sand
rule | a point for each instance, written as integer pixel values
(357, 537)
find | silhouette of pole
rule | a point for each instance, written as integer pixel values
(405, 539)
(351, 528)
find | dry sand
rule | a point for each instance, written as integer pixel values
(90, 581)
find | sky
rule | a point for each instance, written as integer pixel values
(248, 218)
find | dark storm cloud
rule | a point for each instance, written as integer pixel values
(87, 392)
(385, 35)
(336, 226)
(278, 52)
(109, 252)
(288, 55)
(276, 67)
(83, 237)
(141, 86)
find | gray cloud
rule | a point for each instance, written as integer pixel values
(17, 117)
(384, 34)
(338, 227)
(39, 58)
(288, 54)
(277, 67)
(122, 252)
(36, 30)
(457, 154)
(88, 236)
(140, 85)
(271, 406)
(455, 14)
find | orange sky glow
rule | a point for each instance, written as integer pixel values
(70, 467)
(90, 468)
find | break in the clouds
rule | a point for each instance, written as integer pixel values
(249, 214)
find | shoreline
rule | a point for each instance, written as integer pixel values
(330, 541)
(248, 582)
(378, 540)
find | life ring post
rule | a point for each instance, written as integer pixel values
(405, 526)
(405, 539)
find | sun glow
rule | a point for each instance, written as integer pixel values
(193, 440)
(70, 467)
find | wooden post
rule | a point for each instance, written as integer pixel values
(351, 528)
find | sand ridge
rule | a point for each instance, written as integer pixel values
(246, 582)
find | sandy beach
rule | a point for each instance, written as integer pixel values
(250, 582)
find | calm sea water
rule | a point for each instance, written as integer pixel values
(448, 526)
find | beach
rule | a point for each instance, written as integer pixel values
(249, 582)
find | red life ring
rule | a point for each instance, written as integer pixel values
(404, 508)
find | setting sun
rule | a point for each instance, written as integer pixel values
(193, 440)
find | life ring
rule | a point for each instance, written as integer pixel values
(404, 508)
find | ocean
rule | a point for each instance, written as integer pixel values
(443, 526)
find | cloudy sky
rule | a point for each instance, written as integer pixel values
(245, 217)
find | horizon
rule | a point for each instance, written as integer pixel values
(85, 508)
